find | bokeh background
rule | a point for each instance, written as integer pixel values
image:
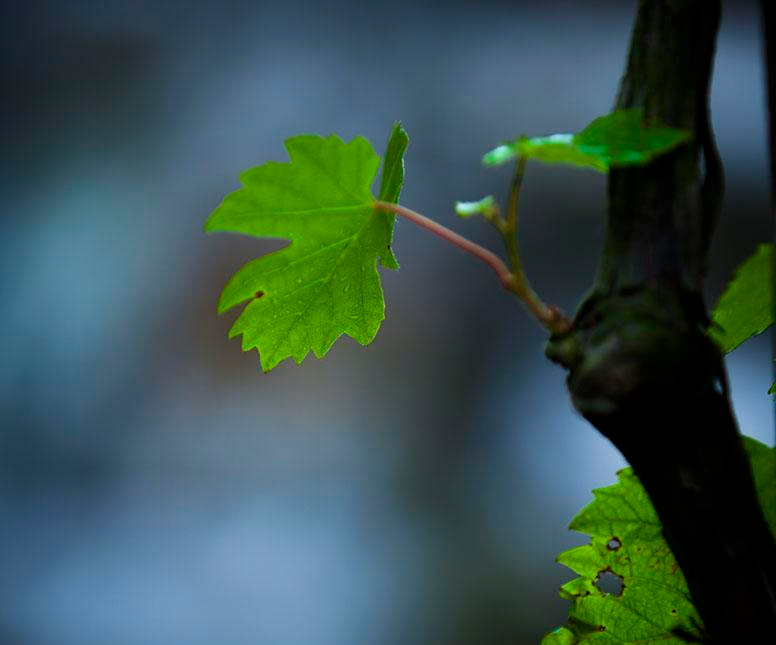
(155, 487)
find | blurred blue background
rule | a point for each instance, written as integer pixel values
(155, 487)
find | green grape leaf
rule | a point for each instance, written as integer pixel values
(501, 154)
(622, 138)
(325, 282)
(487, 207)
(560, 148)
(391, 183)
(653, 603)
(747, 306)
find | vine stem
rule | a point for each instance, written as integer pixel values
(550, 317)
(514, 194)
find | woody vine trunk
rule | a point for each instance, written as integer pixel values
(641, 367)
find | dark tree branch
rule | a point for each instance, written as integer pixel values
(642, 369)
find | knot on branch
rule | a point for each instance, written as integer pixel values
(637, 353)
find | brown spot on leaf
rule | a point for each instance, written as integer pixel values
(258, 294)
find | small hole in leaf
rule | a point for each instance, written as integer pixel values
(258, 294)
(673, 611)
(717, 384)
(614, 544)
(609, 583)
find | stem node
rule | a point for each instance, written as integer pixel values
(514, 281)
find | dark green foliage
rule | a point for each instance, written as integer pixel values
(654, 604)
(618, 139)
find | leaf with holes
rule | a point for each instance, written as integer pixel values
(747, 306)
(652, 604)
(325, 282)
(622, 138)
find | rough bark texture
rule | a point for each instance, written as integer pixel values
(642, 369)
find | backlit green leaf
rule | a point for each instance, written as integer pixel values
(747, 306)
(501, 154)
(653, 604)
(325, 282)
(622, 138)
(391, 183)
(560, 148)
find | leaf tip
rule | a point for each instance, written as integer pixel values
(501, 154)
(210, 223)
(388, 260)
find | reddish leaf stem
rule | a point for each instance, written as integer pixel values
(479, 252)
(550, 317)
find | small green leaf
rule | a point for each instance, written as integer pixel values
(618, 139)
(486, 207)
(391, 183)
(560, 148)
(747, 306)
(325, 282)
(654, 602)
(773, 389)
(623, 138)
(500, 154)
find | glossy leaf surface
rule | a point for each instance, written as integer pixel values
(325, 282)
